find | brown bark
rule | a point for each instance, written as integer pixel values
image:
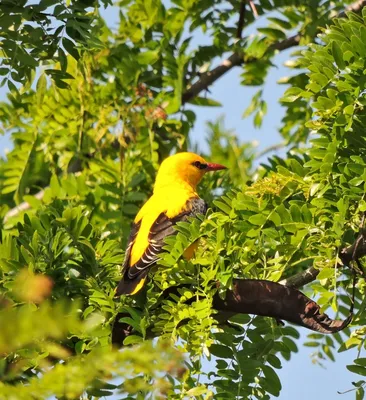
(272, 299)
(265, 298)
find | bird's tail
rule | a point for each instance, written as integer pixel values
(130, 286)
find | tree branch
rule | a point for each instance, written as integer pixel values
(258, 297)
(241, 19)
(269, 149)
(22, 206)
(356, 251)
(281, 302)
(208, 78)
(254, 10)
(347, 255)
(237, 59)
(301, 279)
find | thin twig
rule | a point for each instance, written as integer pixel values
(254, 9)
(269, 149)
(22, 206)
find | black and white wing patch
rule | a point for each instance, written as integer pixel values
(161, 228)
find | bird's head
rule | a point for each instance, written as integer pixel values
(186, 167)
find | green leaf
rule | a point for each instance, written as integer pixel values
(132, 339)
(70, 47)
(258, 219)
(295, 213)
(26, 58)
(13, 88)
(319, 78)
(4, 71)
(99, 392)
(357, 369)
(360, 393)
(272, 382)
(204, 101)
(291, 95)
(148, 57)
(222, 206)
(41, 88)
(218, 350)
(48, 3)
(130, 209)
(197, 391)
(253, 104)
(63, 60)
(273, 33)
(338, 55)
(280, 22)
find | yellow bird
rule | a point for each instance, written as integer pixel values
(174, 199)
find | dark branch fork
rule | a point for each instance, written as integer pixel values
(236, 59)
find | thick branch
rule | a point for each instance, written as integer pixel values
(259, 297)
(272, 299)
(281, 301)
(356, 251)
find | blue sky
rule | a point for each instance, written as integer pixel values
(301, 380)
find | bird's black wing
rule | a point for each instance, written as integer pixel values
(161, 228)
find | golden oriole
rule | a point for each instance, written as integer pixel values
(174, 199)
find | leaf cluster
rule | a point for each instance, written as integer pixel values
(84, 160)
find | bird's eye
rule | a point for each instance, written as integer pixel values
(199, 165)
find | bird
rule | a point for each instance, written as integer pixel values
(174, 199)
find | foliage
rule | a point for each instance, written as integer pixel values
(35, 34)
(84, 160)
(72, 372)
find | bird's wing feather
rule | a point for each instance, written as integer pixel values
(131, 240)
(160, 229)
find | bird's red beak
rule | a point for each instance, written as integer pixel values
(214, 167)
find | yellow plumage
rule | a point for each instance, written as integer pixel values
(173, 199)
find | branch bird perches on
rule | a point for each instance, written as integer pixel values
(264, 298)
(281, 301)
